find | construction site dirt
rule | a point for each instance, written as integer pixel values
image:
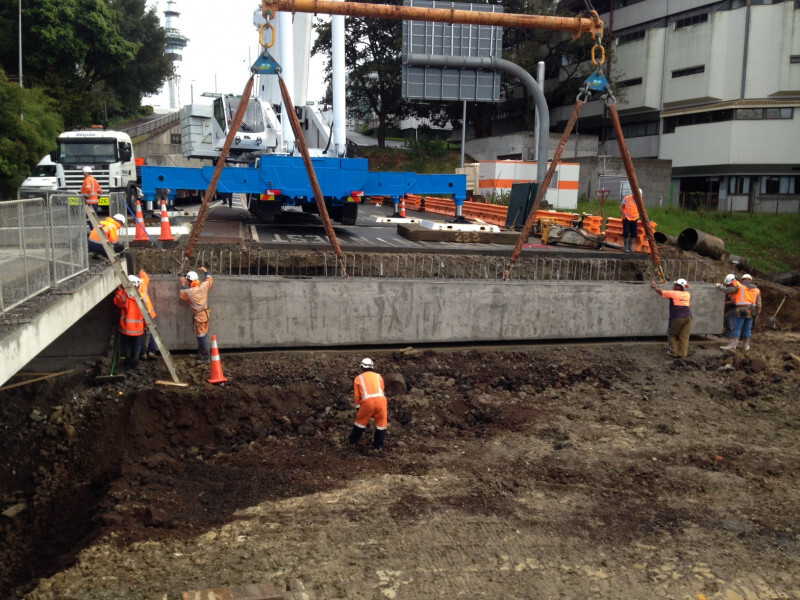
(605, 470)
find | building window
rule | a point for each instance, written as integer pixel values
(633, 130)
(757, 114)
(779, 185)
(175, 138)
(630, 82)
(689, 71)
(627, 38)
(694, 20)
(712, 116)
(794, 59)
(739, 185)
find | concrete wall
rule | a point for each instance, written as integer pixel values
(253, 312)
(654, 178)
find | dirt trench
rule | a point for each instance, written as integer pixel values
(564, 471)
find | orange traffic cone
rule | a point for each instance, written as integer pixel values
(166, 228)
(216, 365)
(141, 232)
(403, 207)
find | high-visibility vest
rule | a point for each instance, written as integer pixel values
(368, 385)
(91, 188)
(629, 209)
(144, 294)
(746, 296)
(111, 229)
(679, 298)
(131, 321)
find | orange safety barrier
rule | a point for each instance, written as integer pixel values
(593, 223)
(614, 235)
(413, 201)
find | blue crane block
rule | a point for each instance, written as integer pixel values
(337, 178)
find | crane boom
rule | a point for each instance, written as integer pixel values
(579, 25)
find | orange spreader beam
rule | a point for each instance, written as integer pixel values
(578, 25)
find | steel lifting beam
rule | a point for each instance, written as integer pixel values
(579, 25)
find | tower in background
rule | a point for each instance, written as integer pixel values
(176, 42)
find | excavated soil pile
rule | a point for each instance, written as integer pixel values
(566, 471)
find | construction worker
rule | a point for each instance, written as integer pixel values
(730, 286)
(748, 306)
(195, 293)
(131, 324)
(149, 349)
(370, 400)
(91, 188)
(630, 215)
(110, 227)
(680, 315)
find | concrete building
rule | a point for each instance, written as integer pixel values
(712, 86)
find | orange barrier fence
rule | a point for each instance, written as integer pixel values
(496, 215)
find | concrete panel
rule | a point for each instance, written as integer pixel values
(252, 312)
(26, 342)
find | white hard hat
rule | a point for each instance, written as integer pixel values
(746, 276)
(135, 280)
(87, 170)
(191, 276)
(729, 278)
(367, 364)
(119, 217)
(682, 282)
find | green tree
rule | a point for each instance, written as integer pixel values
(373, 60)
(23, 141)
(97, 58)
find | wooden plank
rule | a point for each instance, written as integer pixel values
(172, 383)
(35, 379)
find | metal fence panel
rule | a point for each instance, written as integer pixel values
(42, 243)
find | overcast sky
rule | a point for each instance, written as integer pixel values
(223, 44)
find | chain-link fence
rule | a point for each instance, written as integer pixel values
(42, 243)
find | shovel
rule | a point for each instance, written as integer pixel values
(771, 323)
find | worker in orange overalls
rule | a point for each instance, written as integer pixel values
(149, 349)
(680, 316)
(91, 188)
(131, 324)
(748, 306)
(371, 403)
(111, 227)
(630, 215)
(195, 293)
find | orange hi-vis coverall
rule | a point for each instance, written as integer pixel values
(370, 400)
(110, 227)
(197, 297)
(91, 189)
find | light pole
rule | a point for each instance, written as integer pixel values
(21, 116)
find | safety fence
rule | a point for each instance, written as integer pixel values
(299, 264)
(42, 244)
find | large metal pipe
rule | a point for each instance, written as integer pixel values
(490, 63)
(593, 25)
(664, 239)
(703, 243)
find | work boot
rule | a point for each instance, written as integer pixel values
(731, 345)
(746, 346)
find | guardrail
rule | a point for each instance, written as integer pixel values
(158, 123)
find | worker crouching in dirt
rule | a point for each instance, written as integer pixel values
(748, 306)
(370, 399)
(680, 316)
(195, 293)
(131, 324)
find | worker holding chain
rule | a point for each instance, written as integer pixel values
(680, 315)
(195, 293)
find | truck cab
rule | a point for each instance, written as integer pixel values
(110, 155)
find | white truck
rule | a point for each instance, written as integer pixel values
(110, 155)
(46, 175)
